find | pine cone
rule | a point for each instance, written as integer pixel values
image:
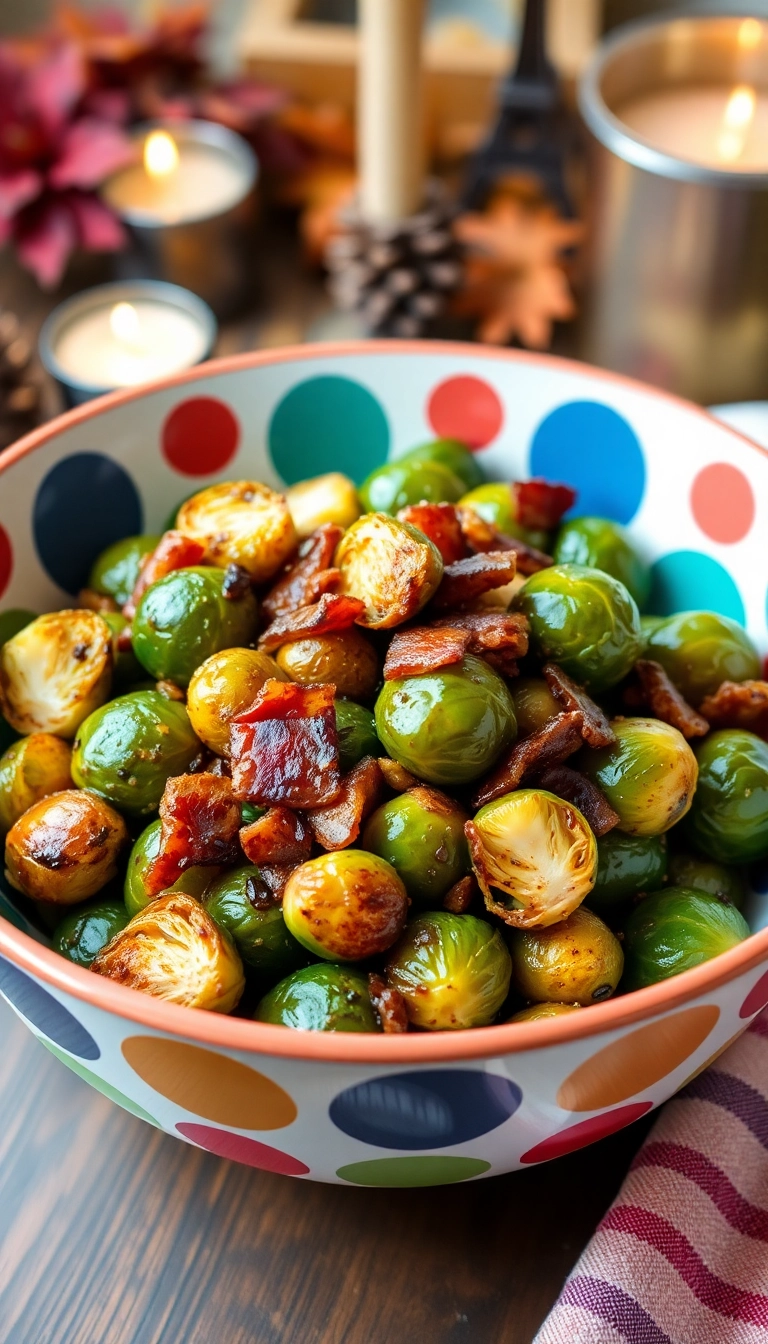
(19, 394)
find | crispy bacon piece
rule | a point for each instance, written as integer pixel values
(389, 1004)
(541, 504)
(280, 836)
(173, 551)
(654, 690)
(559, 738)
(439, 522)
(276, 875)
(284, 749)
(498, 636)
(333, 612)
(298, 586)
(337, 826)
(577, 789)
(396, 777)
(466, 580)
(739, 704)
(200, 822)
(482, 536)
(461, 895)
(595, 728)
(424, 650)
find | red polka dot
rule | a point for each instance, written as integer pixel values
(240, 1149)
(722, 502)
(757, 997)
(6, 560)
(587, 1131)
(465, 408)
(200, 436)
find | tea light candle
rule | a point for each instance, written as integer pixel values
(180, 176)
(718, 127)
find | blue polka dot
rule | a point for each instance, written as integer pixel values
(592, 448)
(328, 424)
(50, 1017)
(84, 504)
(690, 581)
(758, 878)
(427, 1109)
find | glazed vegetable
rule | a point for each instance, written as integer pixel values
(585, 621)
(602, 544)
(536, 1011)
(390, 566)
(578, 960)
(700, 649)
(535, 704)
(450, 453)
(693, 872)
(31, 769)
(323, 499)
(494, 502)
(55, 672)
(447, 727)
(115, 572)
(728, 820)
(65, 848)
(146, 848)
(535, 850)
(174, 950)
(626, 865)
(405, 481)
(240, 902)
(649, 776)
(356, 728)
(421, 833)
(347, 660)
(320, 998)
(242, 523)
(222, 687)
(675, 929)
(453, 971)
(345, 906)
(185, 618)
(128, 749)
(83, 933)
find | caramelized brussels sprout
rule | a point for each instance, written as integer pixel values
(602, 544)
(494, 502)
(672, 930)
(447, 727)
(321, 998)
(576, 961)
(345, 906)
(146, 848)
(115, 572)
(126, 668)
(585, 620)
(421, 833)
(535, 850)
(224, 686)
(728, 821)
(626, 865)
(347, 660)
(242, 523)
(324, 499)
(536, 1011)
(648, 775)
(83, 933)
(699, 650)
(186, 617)
(408, 481)
(14, 620)
(356, 728)
(174, 950)
(535, 704)
(55, 672)
(129, 748)
(452, 970)
(31, 769)
(241, 903)
(450, 453)
(65, 848)
(392, 567)
(692, 872)
(647, 626)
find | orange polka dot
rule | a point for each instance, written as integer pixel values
(210, 1085)
(636, 1061)
(722, 502)
(731, 1041)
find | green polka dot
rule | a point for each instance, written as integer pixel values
(328, 424)
(692, 581)
(99, 1084)
(411, 1171)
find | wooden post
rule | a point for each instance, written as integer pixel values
(390, 109)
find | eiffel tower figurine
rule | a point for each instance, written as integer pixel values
(530, 135)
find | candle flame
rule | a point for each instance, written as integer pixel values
(750, 33)
(161, 156)
(737, 119)
(125, 325)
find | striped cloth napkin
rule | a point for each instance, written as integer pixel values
(682, 1255)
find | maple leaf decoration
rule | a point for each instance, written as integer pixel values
(515, 281)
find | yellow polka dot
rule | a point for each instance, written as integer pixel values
(636, 1061)
(208, 1084)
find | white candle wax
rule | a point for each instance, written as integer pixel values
(719, 127)
(390, 109)
(206, 180)
(159, 339)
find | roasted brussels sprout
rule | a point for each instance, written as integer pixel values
(535, 704)
(454, 455)
(185, 618)
(408, 481)
(494, 502)
(126, 668)
(324, 499)
(626, 864)
(347, 660)
(647, 626)
(14, 620)
(535, 850)
(116, 570)
(193, 881)
(55, 672)
(536, 1011)
(576, 961)
(128, 749)
(65, 848)
(728, 820)
(447, 727)
(672, 930)
(31, 769)
(421, 833)
(242, 523)
(83, 933)
(697, 874)
(356, 728)
(700, 650)
(224, 686)
(392, 567)
(320, 998)
(174, 950)
(583, 619)
(602, 544)
(648, 776)
(452, 970)
(345, 906)
(240, 902)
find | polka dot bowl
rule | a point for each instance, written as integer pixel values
(387, 1110)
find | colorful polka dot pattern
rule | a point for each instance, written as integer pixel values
(84, 504)
(594, 449)
(328, 424)
(465, 408)
(200, 436)
(238, 1148)
(685, 580)
(6, 560)
(431, 1109)
(50, 1017)
(210, 1085)
(722, 502)
(577, 1136)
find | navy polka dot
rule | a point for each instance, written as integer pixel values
(429, 1109)
(594, 449)
(84, 504)
(50, 1017)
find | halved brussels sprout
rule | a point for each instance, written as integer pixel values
(536, 1011)
(452, 970)
(193, 881)
(240, 902)
(321, 998)
(242, 523)
(535, 704)
(222, 687)
(537, 851)
(55, 672)
(648, 775)
(356, 728)
(83, 933)
(392, 567)
(31, 769)
(576, 961)
(626, 865)
(602, 544)
(186, 617)
(697, 874)
(129, 748)
(409, 481)
(347, 660)
(115, 572)
(700, 649)
(583, 619)
(450, 453)
(175, 951)
(729, 815)
(65, 848)
(421, 833)
(345, 906)
(323, 499)
(672, 930)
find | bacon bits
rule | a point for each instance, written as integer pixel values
(275, 876)
(439, 522)
(595, 728)
(389, 1004)
(332, 613)
(279, 837)
(498, 636)
(739, 704)
(461, 895)
(173, 551)
(541, 504)
(466, 580)
(660, 695)
(482, 536)
(310, 575)
(337, 826)
(577, 789)
(284, 749)
(424, 650)
(200, 822)
(557, 740)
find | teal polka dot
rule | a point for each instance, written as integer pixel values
(690, 581)
(413, 1171)
(328, 424)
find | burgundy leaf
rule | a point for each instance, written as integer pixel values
(17, 187)
(90, 150)
(45, 236)
(98, 229)
(55, 85)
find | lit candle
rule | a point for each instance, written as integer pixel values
(178, 177)
(390, 109)
(716, 127)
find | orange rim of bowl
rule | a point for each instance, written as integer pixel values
(213, 1029)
